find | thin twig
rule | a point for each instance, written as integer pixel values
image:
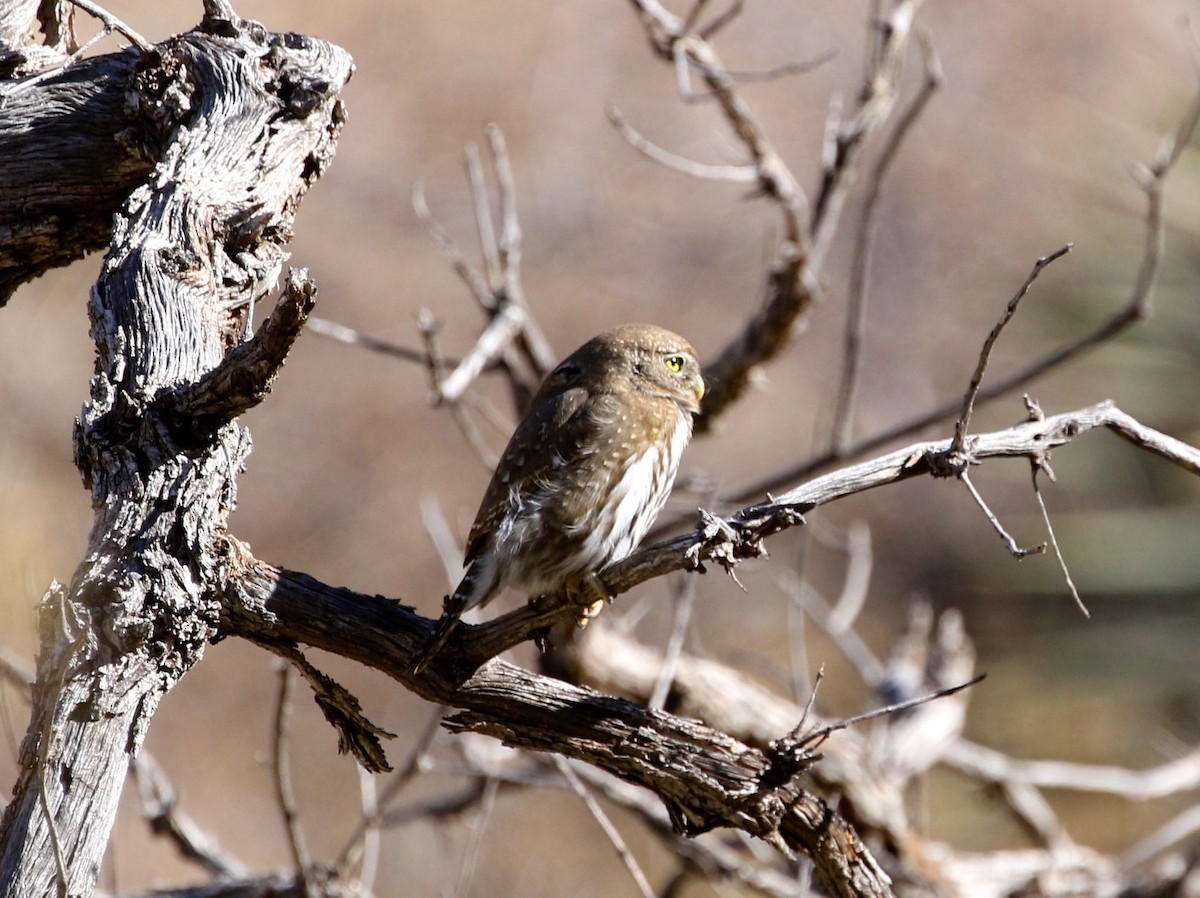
(112, 23)
(369, 865)
(858, 578)
(485, 232)
(471, 855)
(801, 67)
(10, 729)
(56, 71)
(812, 699)
(161, 810)
(446, 244)
(860, 268)
(712, 859)
(968, 404)
(498, 292)
(819, 735)
(1031, 809)
(1036, 466)
(532, 342)
(351, 337)
(284, 794)
(683, 599)
(606, 825)
(876, 102)
(791, 286)
(1182, 826)
(806, 599)
(1013, 548)
(732, 12)
(435, 364)
(738, 174)
(444, 543)
(70, 627)
(415, 765)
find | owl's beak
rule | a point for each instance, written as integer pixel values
(699, 391)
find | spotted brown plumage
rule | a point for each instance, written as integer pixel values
(585, 473)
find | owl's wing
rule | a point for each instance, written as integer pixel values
(553, 434)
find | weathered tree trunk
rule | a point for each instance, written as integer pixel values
(70, 158)
(240, 122)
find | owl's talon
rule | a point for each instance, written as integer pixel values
(589, 612)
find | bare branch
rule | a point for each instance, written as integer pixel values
(806, 599)
(711, 858)
(1036, 466)
(243, 378)
(436, 366)
(1182, 826)
(280, 766)
(790, 286)
(1174, 777)
(739, 536)
(471, 855)
(683, 598)
(161, 810)
(1135, 310)
(1015, 550)
(449, 248)
(484, 230)
(742, 174)
(858, 578)
(606, 825)
(531, 340)
(860, 266)
(351, 337)
(816, 737)
(801, 67)
(704, 778)
(404, 776)
(491, 346)
(964, 419)
(112, 23)
(370, 844)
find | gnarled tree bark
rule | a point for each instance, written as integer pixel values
(239, 122)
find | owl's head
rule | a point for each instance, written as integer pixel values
(655, 362)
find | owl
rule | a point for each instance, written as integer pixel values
(585, 474)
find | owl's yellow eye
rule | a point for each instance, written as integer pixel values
(674, 362)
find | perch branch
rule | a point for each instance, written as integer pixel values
(704, 778)
(739, 536)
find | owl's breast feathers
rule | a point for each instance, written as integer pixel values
(576, 449)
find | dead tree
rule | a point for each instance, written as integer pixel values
(209, 141)
(206, 144)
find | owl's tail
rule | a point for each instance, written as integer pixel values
(452, 611)
(479, 585)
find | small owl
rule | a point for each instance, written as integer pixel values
(584, 475)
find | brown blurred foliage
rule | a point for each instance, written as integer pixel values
(1030, 144)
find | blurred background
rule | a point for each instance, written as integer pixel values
(1047, 107)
